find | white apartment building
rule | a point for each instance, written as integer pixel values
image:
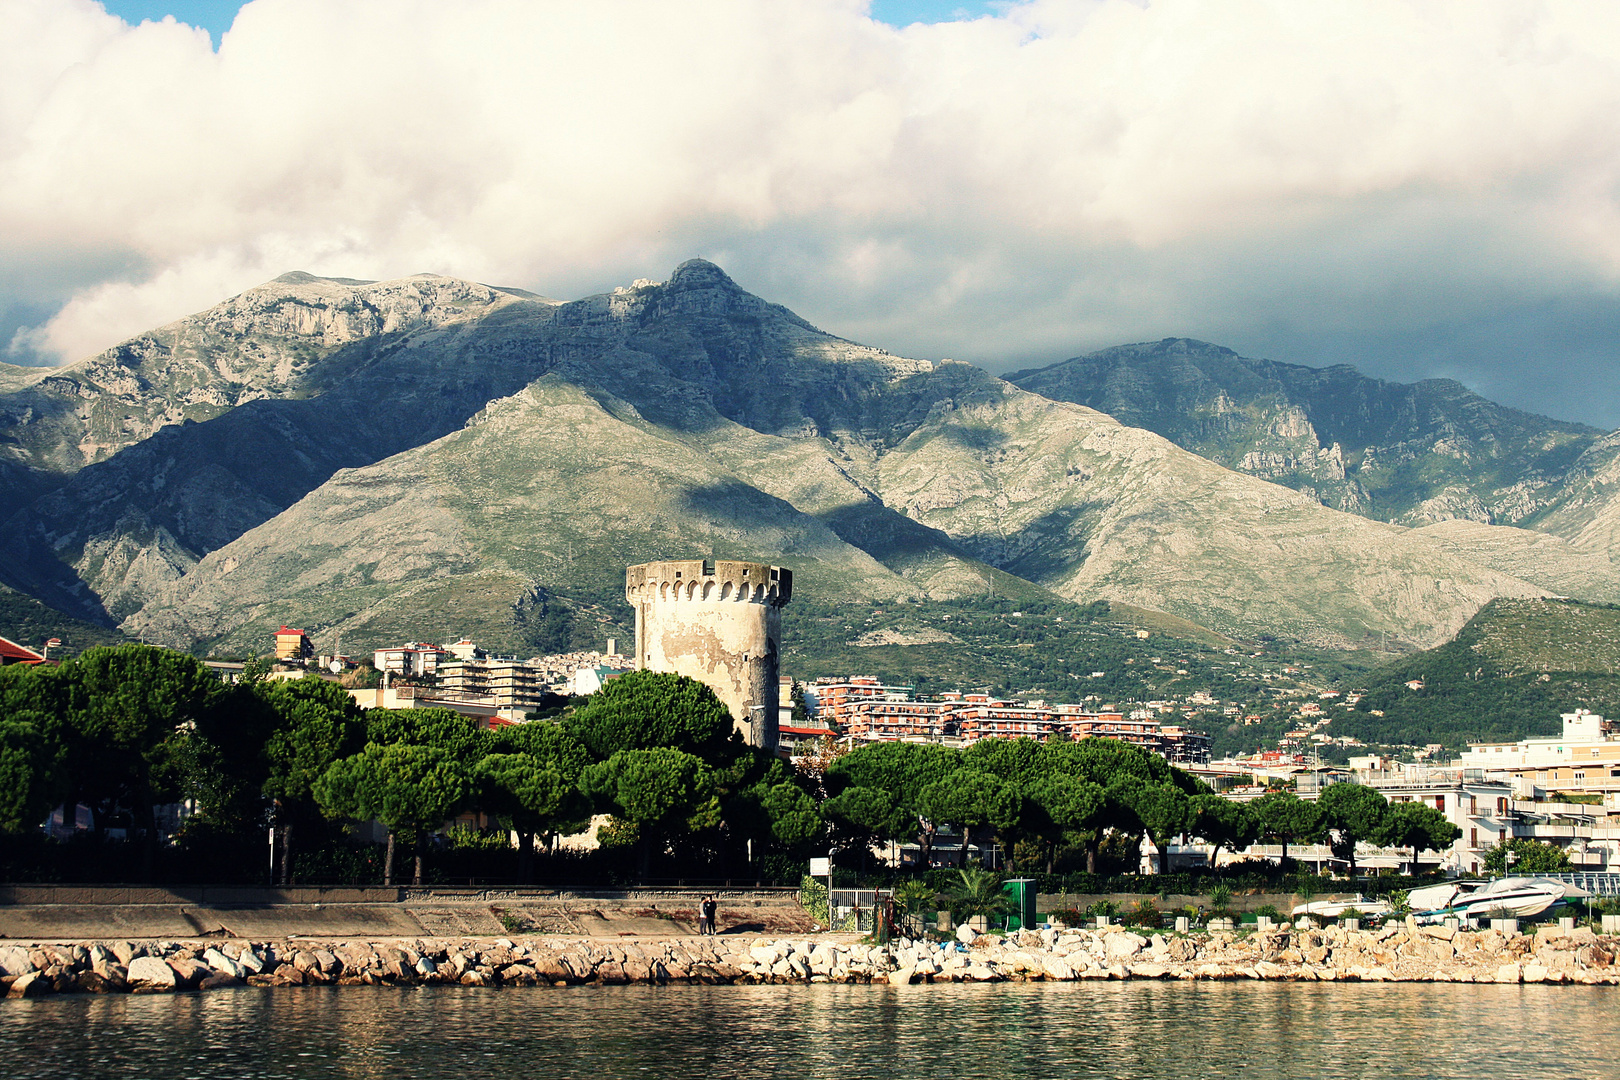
(1584, 732)
(1482, 809)
(417, 658)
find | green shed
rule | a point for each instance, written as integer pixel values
(1022, 891)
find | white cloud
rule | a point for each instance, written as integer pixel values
(1062, 176)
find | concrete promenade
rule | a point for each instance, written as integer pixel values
(62, 913)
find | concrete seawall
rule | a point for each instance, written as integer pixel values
(70, 914)
(1398, 953)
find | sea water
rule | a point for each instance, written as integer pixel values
(1256, 1031)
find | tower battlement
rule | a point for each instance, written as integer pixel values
(719, 622)
(699, 579)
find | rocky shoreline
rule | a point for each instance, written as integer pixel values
(1396, 953)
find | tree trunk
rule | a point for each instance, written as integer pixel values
(1091, 857)
(388, 860)
(416, 874)
(525, 858)
(150, 844)
(286, 852)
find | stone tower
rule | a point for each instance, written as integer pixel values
(719, 623)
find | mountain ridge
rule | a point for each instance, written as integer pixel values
(548, 443)
(1408, 453)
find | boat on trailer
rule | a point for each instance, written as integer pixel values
(1509, 897)
(1333, 909)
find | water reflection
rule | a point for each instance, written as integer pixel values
(1139, 1029)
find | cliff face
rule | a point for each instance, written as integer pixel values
(1406, 453)
(430, 456)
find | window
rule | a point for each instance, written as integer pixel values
(1440, 803)
(1473, 838)
(1473, 804)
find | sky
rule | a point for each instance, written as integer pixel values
(1421, 189)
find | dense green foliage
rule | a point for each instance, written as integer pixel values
(1529, 857)
(31, 623)
(1045, 802)
(641, 710)
(128, 729)
(1031, 643)
(1508, 674)
(124, 730)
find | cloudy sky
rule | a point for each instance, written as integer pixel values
(1417, 188)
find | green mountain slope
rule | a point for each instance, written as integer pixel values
(29, 622)
(1510, 672)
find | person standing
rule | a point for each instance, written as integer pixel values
(708, 909)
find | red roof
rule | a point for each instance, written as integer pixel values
(289, 630)
(13, 653)
(786, 730)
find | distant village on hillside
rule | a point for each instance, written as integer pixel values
(1563, 790)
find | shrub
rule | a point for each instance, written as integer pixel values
(813, 899)
(512, 924)
(1103, 907)
(1146, 915)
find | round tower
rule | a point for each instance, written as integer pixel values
(720, 623)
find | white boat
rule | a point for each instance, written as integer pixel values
(1333, 909)
(1511, 897)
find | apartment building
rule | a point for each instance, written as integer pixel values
(293, 644)
(879, 713)
(1584, 760)
(510, 685)
(417, 658)
(836, 699)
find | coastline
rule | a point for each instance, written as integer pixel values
(1396, 953)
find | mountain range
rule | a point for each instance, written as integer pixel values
(428, 457)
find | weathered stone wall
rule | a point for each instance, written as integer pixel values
(719, 622)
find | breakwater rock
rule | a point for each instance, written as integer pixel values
(1397, 953)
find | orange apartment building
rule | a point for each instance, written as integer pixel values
(869, 711)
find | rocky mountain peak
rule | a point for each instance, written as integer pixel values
(701, 274)
(300, 277)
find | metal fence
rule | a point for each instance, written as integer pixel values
(856, 909)
(1596, 884)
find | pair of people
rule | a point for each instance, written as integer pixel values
(707, 910)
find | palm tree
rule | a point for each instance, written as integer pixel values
(979, 894)
(915, 897)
